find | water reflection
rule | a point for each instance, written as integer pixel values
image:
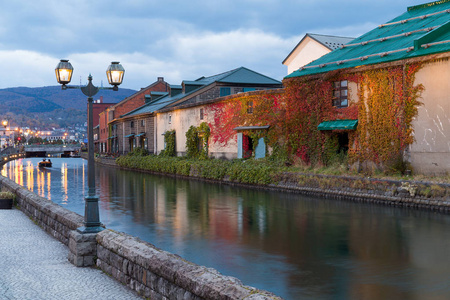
(60, 183)
(297, 247)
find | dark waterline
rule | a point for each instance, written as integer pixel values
(297, 247)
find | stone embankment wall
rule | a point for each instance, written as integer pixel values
(152, 272)
(157, 274)
(401, 193)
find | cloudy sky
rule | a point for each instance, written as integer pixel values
(179, 40)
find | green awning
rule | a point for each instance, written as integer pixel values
(338, 125)
(130, 135)
(140, 134)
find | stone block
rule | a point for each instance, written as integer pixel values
(83, 248)
(156, 296)
(114, 273)
(163, 287)
(125, 264)
(152, 280)
(76, 260)
(176, 293)
(88, 261)
(117, 262)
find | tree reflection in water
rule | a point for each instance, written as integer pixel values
(294, 246)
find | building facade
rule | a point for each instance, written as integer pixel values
(195, 108)
(109, 127)
(390, 93)
(181, 107)
(311, 47)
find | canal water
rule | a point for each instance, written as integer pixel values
(295, 246)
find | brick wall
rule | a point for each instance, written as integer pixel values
(138, 99)
(126, 129)
(125, 106)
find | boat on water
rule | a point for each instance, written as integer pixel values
(45, 164)
(74, 154)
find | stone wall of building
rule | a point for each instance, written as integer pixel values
(430, 152)
(141, 124)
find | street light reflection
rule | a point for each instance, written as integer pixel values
(64, 183)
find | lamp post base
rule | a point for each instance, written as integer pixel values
(91, 215)
(93, 229)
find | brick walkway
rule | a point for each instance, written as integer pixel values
(33, 265)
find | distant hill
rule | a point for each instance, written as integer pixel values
(33, 106)
(49, 98)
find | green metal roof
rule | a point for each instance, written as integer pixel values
(422, 30)
(247, 76)
(238, 75)
(153, 106)
(338, 125)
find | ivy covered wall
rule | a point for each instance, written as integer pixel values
(385, 105)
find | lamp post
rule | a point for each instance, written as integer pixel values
(114, 74)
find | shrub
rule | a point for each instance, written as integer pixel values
(169, 140)
(7, 195)
(250, 171)
(192, 141)
(138, 152)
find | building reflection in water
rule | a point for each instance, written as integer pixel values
(295, 246)
(292, 245)
(30, 175)
(40, 180)
(64, 183)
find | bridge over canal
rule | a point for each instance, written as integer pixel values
(45, 150)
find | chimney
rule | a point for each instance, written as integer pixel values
(101, 99)
(160, 79)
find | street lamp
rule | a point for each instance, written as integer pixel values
(115, 74)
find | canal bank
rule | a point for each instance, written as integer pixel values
(141, 266)
(399, 193)
(295, 246)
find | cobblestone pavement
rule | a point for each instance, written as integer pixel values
(34, 265)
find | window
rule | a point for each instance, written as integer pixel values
(201, 114)
(340, 93)
(250, 107)
(132, 124)
(225, 91)
(142, 123)
(170, 119)
(248, 89)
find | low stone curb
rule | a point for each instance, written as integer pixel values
(158, 274)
